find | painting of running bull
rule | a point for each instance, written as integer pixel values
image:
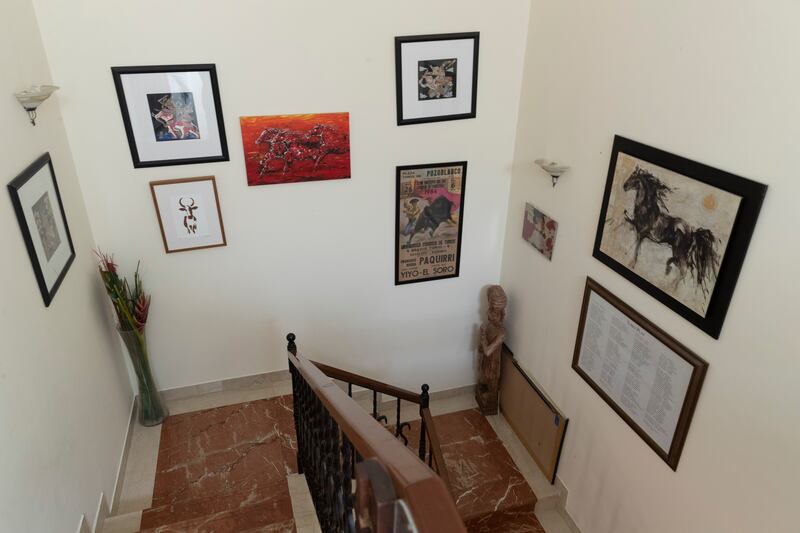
(677, 228)
(296, 148)
(430, 210)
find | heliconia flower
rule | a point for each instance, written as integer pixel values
(141, 310)
(106, 262)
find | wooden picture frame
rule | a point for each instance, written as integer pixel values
(416, 53)
(677, 229)
(43, 224)
(426, 194)
(647, 337)
(209, 231)
(157, 141)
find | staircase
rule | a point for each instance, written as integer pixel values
(225, 470)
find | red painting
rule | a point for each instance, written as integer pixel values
(295, 148)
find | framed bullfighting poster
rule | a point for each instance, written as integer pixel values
(172, 114)
(430, 215)
(677, 229)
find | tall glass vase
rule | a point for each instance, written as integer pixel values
(152, 410)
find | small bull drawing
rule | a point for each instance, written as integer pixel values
(432, 216)
(189, 220)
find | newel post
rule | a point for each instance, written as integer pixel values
(424, 401)
(291, 347)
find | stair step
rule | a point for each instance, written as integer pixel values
(271, 500)
(123, 523)
(259, 518)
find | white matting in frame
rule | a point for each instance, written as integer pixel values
(437, 77)
(188, 213)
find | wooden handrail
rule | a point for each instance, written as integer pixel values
(436, 448)
(367, 383)
(425, 492)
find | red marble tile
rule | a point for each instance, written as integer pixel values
(491, 493)
(274, 495)
(231, 449)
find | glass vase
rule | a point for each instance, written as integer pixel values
(152, 410)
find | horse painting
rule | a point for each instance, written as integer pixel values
(294, 148)
(694, 250)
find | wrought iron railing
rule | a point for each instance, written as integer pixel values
(334, 435)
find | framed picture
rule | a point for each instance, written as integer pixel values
(188, 213)
(650, 379)
(295, 148)
(677, 229)
(539, 230)
(41, 217)
(436, 76)
(430, 216)
(172, 114)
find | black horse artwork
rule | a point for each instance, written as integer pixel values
(694, 250)
(438, 211)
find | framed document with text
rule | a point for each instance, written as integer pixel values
(648, 378)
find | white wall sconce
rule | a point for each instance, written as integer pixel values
(32, 98)
(554, 168)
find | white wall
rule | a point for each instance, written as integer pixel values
(717, 83)
(64, 393)
(313, 258)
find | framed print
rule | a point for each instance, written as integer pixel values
(172, 114)
(436, 76)
(188, 213)
(295, 148)
(677, 229)
(647, 377)
(41, 217)
(539, 230)
(429, 219)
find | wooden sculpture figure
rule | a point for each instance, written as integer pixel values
(492, 336)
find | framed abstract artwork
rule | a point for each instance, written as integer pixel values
(172, 114)
(677, 229)
(539, 230)
(296, 148)
(429, 220)
(41, 217)
(648, 378)
(436, 77)
(188, 213)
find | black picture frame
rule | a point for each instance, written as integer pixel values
(751, 194)
(14, 188)
(699, 369)
(118, 72)
(398, 196)
(398, 44)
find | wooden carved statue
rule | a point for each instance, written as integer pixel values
(492, 336)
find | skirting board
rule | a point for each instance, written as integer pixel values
(101, 514)
(123, 460)
(253, 381)
(83, 525)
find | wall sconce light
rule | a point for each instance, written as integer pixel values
(554, 168)
(32, 98)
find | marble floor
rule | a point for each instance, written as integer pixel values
(141, 491)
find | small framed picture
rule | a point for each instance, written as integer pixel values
(172, 114)
(437, 77)
(188, 213)
(539, 230)
(40, 212)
